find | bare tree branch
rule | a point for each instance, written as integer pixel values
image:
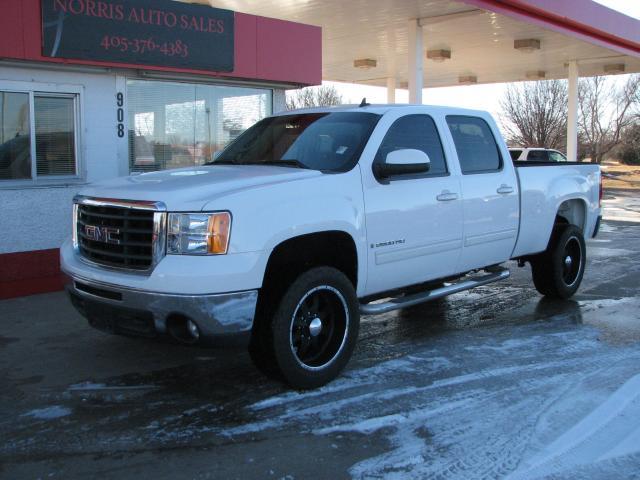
(324, 95)
(605, 112)
(534, 114)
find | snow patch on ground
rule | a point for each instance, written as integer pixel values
(621, 208)
(608, 302)
(90, 386)
(48, 413)
(607, 228)
(609, 252)
(609, 431)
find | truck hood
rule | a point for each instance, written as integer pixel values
(190, 189)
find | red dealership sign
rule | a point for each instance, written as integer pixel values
(151, 32)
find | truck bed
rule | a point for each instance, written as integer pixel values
(544, 188)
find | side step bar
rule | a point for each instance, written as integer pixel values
(416, 298)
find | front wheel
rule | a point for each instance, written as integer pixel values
(558, 271)
(315, 327)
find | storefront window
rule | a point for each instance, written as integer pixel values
(175, 125)
(55, 135)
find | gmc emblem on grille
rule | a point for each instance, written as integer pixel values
(102, 234)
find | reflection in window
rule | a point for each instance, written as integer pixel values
(54, 125)
(15, 141)
(178, 125)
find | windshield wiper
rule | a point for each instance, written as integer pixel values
(221, 162)
(284, 163)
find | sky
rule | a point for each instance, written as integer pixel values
(482, 97)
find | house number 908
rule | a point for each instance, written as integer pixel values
(120, 114)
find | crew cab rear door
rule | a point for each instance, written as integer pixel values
(414, 221)
(489, 189)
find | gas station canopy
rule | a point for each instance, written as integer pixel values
(469, 41)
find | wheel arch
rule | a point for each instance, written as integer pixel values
(573, 211)
(333, 248)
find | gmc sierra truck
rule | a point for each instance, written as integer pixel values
(312, 218)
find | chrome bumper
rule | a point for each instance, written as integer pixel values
(221, 318)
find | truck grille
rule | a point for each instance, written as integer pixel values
(116, 236)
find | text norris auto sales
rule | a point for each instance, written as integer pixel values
(139, 15)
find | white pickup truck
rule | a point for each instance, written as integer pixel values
(314, 217)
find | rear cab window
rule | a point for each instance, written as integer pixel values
(475, 144)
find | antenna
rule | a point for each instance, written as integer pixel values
(364, 103)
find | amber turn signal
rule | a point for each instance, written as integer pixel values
(219, 229)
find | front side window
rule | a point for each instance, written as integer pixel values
(557, 157)
(475, 144)
(53, 128)
(318, 141)
(417, 132)
(174, 125)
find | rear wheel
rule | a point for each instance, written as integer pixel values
(315, 327)
(558, 271)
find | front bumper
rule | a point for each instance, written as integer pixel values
(221, 318)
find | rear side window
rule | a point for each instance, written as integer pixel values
(415, 131)
(515, 154)
(475, 144)
(538, 156)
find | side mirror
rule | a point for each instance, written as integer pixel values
(402, 162)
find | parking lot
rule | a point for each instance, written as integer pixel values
(490, 383)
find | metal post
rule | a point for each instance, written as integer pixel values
(415, 62)
(572, 120)
(391, 89)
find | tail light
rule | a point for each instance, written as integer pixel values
(600, 194)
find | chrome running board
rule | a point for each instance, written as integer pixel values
(416, 298)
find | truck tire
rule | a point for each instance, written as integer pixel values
(558, 271)
(315, 327)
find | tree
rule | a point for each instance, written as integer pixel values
(629, 150)
(534, 114)
(324, 95)
(606, 110)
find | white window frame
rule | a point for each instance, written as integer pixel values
(33, 89)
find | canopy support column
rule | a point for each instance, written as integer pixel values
(391, 89)
(416, 74)
(572, 106)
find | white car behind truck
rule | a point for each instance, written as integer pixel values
(314, 217)
(536, 155)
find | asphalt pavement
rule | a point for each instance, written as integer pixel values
(497, 382)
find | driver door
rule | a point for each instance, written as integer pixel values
(414, 222)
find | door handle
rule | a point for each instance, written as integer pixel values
(447, 196)
(504, 189)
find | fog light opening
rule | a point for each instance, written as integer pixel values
(193, 329)
(183, 329)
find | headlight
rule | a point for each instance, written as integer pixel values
(198, 233)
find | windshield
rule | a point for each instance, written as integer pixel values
(319, 141)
